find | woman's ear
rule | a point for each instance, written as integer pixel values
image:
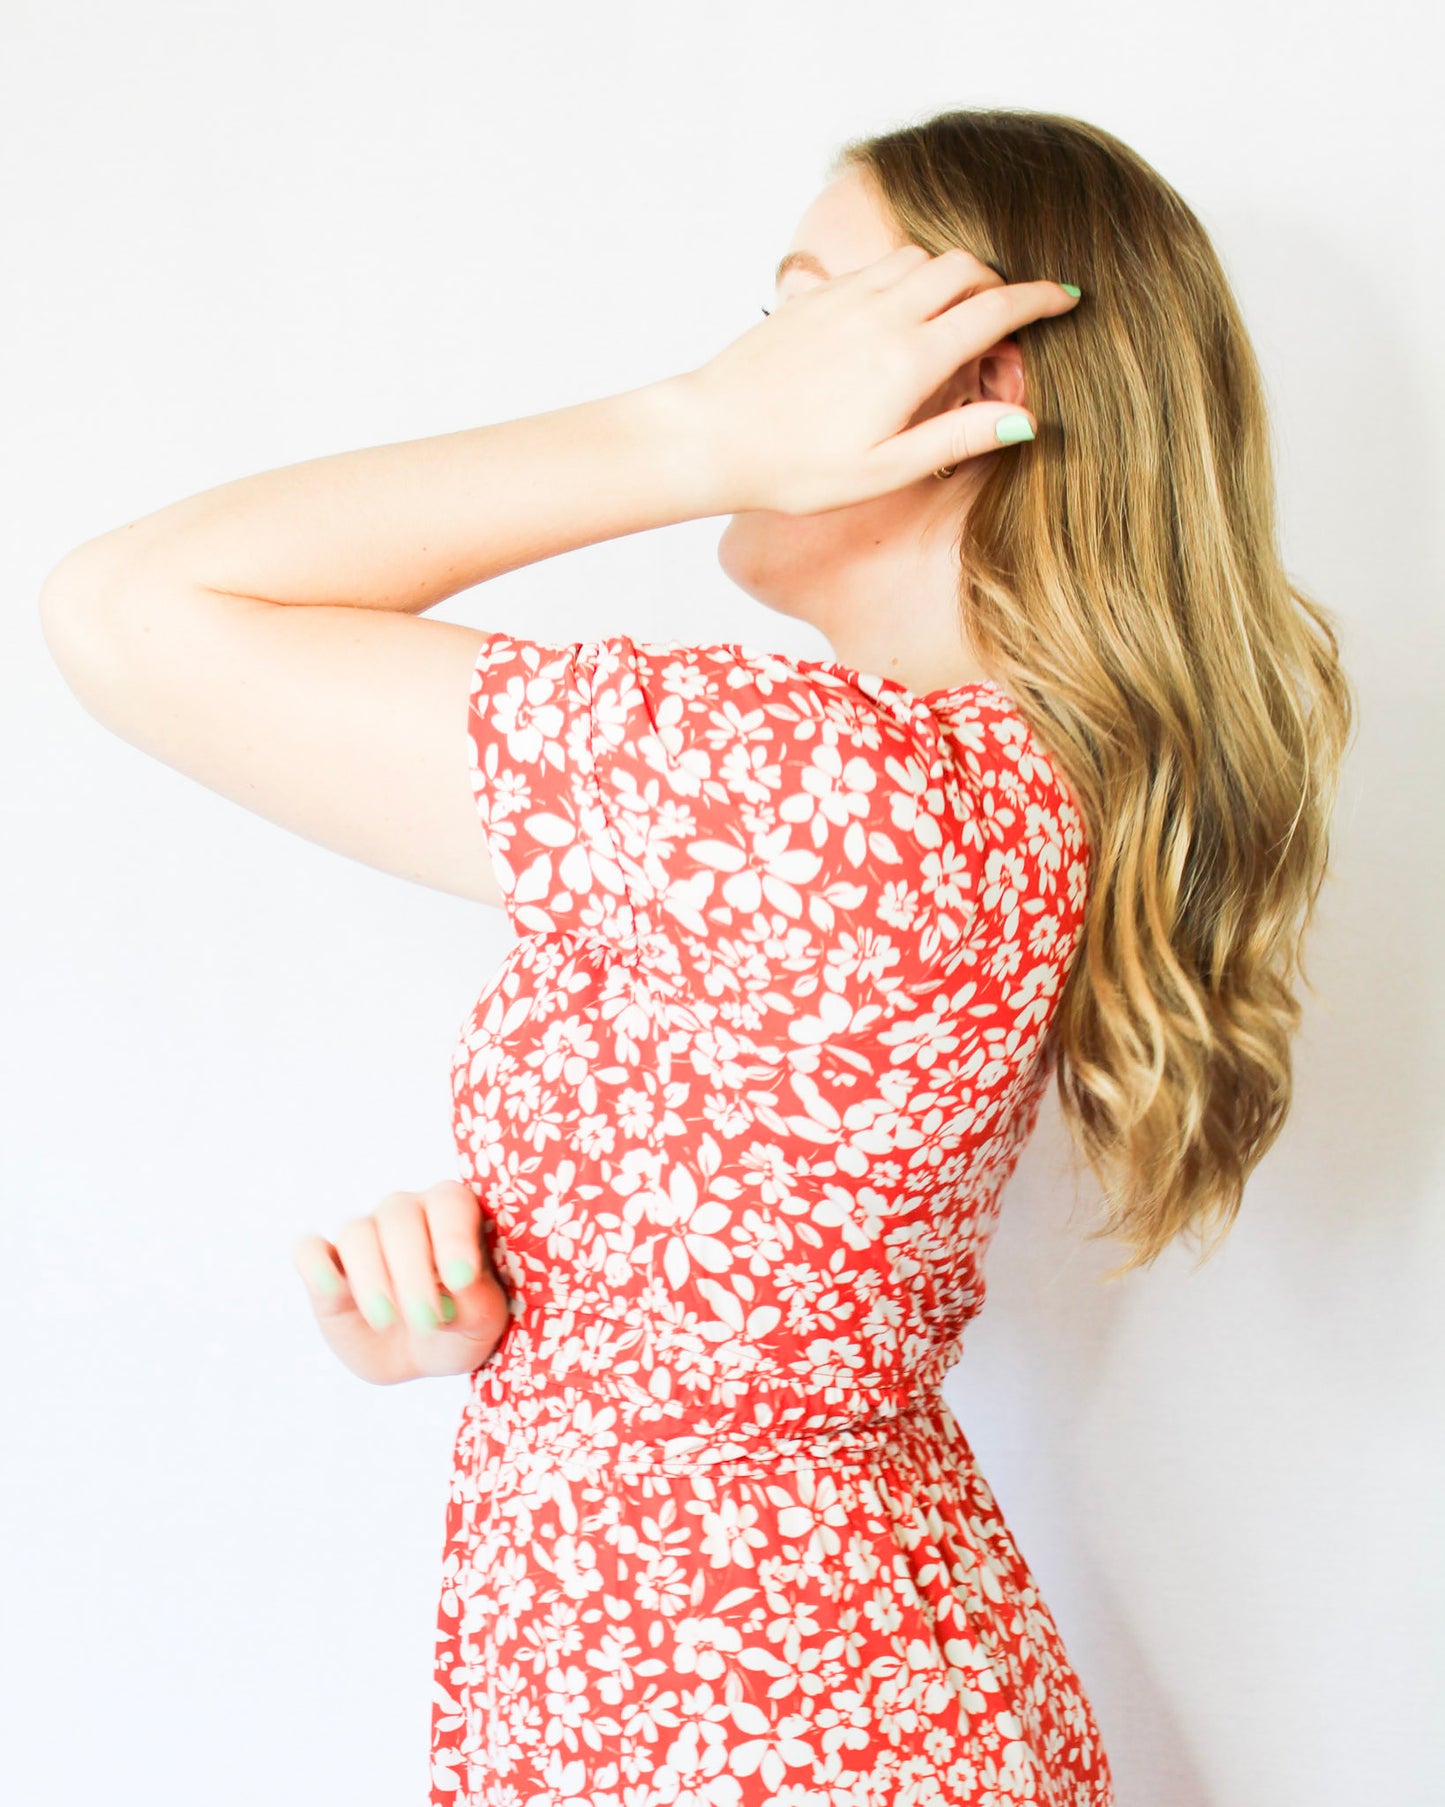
(1000, 375)
(997, 375)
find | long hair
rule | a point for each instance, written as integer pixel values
(1120, 577)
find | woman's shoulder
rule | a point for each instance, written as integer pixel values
(743, 690)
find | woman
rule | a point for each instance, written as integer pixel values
(800, 942)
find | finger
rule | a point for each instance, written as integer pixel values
(401, 1225)
(377, 1356)
(459, 1248)
(951, 437)
(953, 276)
(319, 1265)
(888, 271)
(454, 1219)
(359, 1246)
(977, 323)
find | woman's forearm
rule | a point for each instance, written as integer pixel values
(404, 526)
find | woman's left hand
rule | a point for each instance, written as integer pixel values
(810, 409)
(409, 1290)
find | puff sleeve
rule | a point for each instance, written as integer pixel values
(662, 793)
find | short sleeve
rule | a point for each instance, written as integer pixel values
(702, 797)
(537, 791)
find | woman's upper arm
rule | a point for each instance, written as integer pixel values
(703, 800)
(343, 725)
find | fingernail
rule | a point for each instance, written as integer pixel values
(458, 1273)
(1014, 427)
(326, 1280)
(448, 1308)
(1069, 289)
(421, 1315)
(379, 1312)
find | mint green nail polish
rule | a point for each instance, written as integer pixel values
(379, 1312)
(326, 1280)
(1014, 427)
(458, 1273)
(448, 1308)
(1069, 289)
(421, 1316)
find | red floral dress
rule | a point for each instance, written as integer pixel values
(739, 1104)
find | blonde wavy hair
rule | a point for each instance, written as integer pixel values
(1120, 577)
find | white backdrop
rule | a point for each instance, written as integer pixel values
(240, 235)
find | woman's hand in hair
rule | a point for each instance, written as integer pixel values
(815, 407)
(410, 1290)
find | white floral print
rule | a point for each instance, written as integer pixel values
(739, 1103)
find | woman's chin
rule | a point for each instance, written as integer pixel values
(761, 556)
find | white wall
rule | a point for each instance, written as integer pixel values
(240, 235)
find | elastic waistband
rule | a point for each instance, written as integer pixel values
(583, 1435)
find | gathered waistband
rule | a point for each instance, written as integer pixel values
(585, 1434)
